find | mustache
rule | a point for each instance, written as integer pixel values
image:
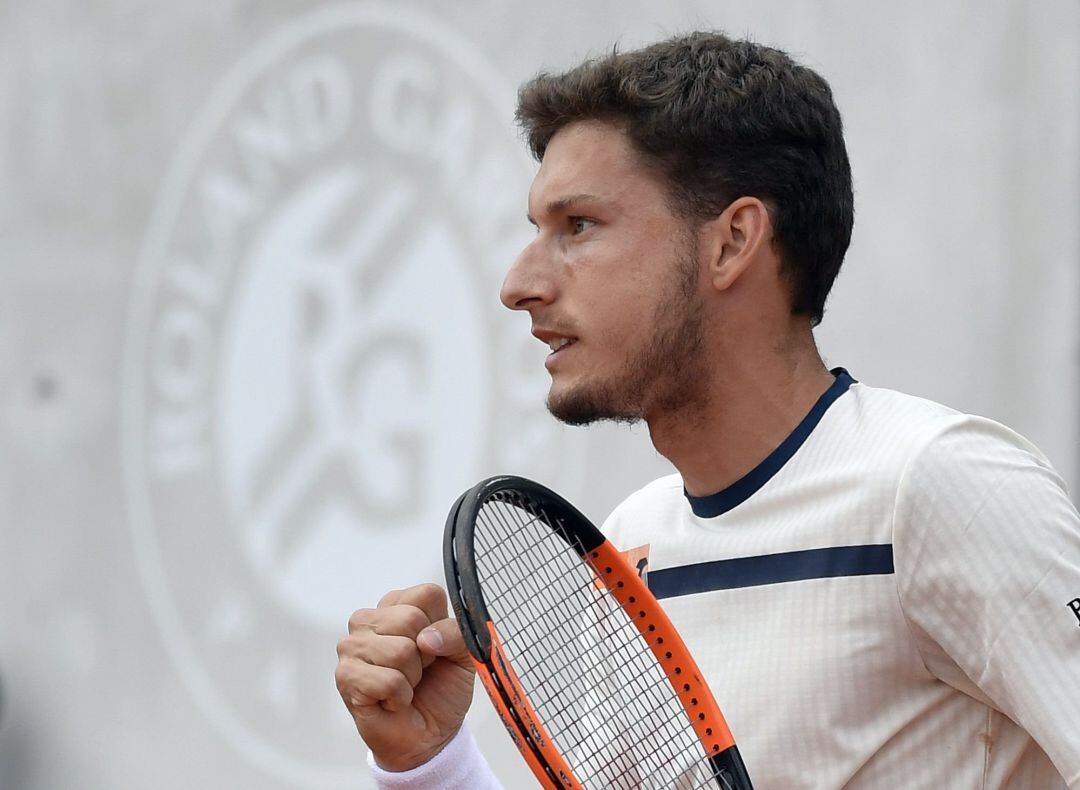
(558, 326)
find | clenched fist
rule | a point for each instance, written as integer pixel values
(405, 676)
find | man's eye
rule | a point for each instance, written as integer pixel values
(580, 224)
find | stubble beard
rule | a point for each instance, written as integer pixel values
(665, 376)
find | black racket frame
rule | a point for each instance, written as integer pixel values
(467, 600)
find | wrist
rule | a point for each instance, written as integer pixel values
(459, 764)
(404, 763)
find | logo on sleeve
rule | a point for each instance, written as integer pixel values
(638, 559)
(1074, 605)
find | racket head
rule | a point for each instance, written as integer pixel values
(589, 676)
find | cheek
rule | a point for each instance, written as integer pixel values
(620, 288)
(624, 327)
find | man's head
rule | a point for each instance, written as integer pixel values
(610, 281)
(639, 152)
(720, 119)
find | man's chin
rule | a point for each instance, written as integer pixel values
(583, 408)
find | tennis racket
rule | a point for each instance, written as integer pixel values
(588, 675)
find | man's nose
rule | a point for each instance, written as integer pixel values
(529, 280)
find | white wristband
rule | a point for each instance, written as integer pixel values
(460, 764)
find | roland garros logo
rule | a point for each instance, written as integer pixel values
(317, 363)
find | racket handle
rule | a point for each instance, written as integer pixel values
(729, 769)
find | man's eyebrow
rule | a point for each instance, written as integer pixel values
(564, 204)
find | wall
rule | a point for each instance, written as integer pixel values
(250, 345)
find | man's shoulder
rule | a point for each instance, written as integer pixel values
(928, 433)
(660, 492)
(887, 410)
(658, 500)
(943, 469)
(892, 429)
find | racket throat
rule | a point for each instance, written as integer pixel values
(729, 770)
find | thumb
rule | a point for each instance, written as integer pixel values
(443, 638)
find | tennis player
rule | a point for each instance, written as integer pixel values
(881, 591)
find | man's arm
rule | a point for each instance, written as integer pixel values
(988, 561)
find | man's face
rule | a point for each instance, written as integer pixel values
(610, 281)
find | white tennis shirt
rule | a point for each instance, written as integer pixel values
(891, 599)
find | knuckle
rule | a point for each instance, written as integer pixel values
(354, 645)
(361, 617)
(390, 596)
(401, 652)
(430, 592)
(342, 678)
(388, 684)
(414, 618)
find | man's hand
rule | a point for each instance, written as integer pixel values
(405, 676)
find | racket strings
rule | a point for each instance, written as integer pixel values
(611, 710)
(657, 722)
(631, 636)
(630, 641)
(586, 669)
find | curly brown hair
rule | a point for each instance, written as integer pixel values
(720, 119)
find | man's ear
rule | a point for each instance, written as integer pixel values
(735, 239)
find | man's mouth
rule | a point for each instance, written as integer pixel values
(555, 341)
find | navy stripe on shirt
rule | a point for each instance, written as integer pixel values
(789, 566)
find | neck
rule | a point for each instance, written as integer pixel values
(754, 401)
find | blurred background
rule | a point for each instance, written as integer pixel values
(251, 346)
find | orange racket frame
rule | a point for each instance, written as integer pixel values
(613, 572)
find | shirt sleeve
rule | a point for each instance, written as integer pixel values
(987, 549)
(460, 764)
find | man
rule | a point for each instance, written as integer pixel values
(880, 590)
